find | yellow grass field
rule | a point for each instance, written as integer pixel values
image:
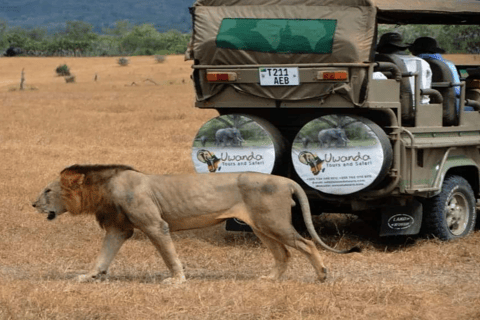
(143, 115)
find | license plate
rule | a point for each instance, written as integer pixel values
(279, 76)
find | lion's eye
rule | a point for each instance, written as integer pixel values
(47, 190)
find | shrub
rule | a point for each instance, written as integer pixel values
(160, 58)
(70, 79)
(123, 61)
(63, 70)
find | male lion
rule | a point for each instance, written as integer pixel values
(122, 199)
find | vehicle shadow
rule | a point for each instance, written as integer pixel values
(340, 231)
(352, 230)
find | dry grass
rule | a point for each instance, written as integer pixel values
(151, 127)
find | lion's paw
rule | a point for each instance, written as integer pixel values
(323, 277)
(91, 278)
(174, 280)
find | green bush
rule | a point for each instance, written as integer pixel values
(123, 61)
(70, 79)
(78, 38)
(63, 70)
(160, 58)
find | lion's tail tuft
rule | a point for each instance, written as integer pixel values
(355, 249)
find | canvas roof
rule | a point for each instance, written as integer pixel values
(216, 3)
(389, 11)
(354, 33)
(428, 12)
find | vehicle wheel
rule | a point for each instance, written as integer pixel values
(451, 214)
(237, 225)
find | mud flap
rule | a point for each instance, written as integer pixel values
(401, 220)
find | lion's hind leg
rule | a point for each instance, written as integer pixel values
(308, 248)
(280, 254)
(290, 237)
(113, 241)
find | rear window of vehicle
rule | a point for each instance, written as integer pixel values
(277, 35)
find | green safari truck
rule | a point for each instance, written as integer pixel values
(296, 89)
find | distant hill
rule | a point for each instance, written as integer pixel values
(164, 14)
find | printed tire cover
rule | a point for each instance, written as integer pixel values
(237, 143)
(341, 154)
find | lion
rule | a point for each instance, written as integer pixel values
(122, 199)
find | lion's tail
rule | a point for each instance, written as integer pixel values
(307, 217)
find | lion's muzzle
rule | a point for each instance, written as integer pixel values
(50, 214)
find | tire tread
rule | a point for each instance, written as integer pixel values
(433, 209)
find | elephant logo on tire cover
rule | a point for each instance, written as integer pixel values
(228, 136)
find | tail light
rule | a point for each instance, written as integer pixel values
(340, 75)
(221, 76)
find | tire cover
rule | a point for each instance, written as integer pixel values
(341, 154)
(256, 145)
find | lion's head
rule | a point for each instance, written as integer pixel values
(80, 189)
(50, 200)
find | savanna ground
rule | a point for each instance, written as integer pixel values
(52, 124)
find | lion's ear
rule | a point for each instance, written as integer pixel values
(71, 179)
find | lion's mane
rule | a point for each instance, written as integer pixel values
(85, 190)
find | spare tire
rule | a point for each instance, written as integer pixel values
(239, 143)
(341, 154)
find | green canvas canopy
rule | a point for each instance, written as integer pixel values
(284, 31)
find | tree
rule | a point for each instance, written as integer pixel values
(17, 37)
(37, 34)
(146, 30)
(121, 29)
(143, 39)
(3, 31)
(79, 30)
(78, 37)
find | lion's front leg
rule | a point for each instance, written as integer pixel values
(112, 242)
(159, 234)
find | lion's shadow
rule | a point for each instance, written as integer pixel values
(337, 230)
(155, 278)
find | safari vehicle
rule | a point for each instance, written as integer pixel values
(295, 78)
